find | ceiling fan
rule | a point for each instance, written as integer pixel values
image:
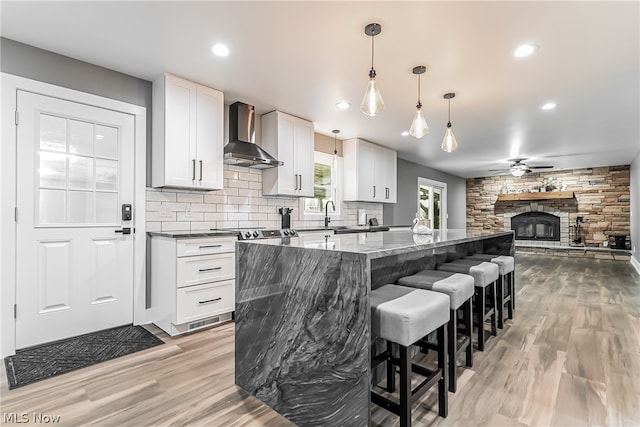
(519, 168)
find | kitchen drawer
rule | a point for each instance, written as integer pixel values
(205, 246)
(204, 269)
(198, 302)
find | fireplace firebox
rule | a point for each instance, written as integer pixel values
(536, 226)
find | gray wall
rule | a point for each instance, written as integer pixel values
(634, 189)
(37, 64)
(404, 211)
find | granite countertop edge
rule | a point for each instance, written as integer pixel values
(191, 234)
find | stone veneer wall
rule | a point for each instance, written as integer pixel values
(602, 197)
(239, 204)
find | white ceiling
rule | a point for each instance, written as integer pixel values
(303, 57)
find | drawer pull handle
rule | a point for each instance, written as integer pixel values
(202, 270)
(209, 246)
(210, 300)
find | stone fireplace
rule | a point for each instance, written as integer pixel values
(537, 225)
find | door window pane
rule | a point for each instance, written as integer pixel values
(80, 208)
(106, 174)
(80, 137)
(53, 133)
(106, 142)
(80, 172)
(106, 208)
(52, 206)
(53, 170)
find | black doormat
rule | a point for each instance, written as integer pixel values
(48, 360)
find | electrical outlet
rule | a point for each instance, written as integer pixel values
(187, 211)
(165, 211)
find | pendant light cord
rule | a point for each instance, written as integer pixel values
(419, 103)
(372, 73)
(449, 123)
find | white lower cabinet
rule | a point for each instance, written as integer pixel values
(192, 282)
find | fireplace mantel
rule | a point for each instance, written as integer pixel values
(536, 196)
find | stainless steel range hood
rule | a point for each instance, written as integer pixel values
(242, 149)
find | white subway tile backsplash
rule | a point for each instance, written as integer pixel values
(153, 206)
(160, 196)
(214, 198)
(227, 208)
(175, 226)
(238, 216)
(190, 197)
(215, 216)
(203, 207)
(239, 204)
(235, 183)
(194, 216)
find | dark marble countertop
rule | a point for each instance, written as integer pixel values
(192, 234)
(380, 244)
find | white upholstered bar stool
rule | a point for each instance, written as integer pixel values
(460, 288)
(405, 316)
(506, 283)
(485, 276)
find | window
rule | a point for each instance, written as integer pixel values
(325, 185)
(432, 203)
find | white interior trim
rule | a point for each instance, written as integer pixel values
(636, 264)
(9, 85)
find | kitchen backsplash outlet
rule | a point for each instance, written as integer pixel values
(239, 204)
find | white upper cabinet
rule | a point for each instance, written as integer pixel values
(187, 134)
(369, 172)
(290, 140)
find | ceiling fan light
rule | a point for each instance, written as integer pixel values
(517, 171)
(419, 127)
(449, 142)
(372, 102)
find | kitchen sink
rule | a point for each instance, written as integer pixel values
(358, 229)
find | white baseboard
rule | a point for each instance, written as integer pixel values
(636, 264)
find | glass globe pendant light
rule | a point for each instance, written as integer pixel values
(419, 127)
(372, 102)
(449, 142)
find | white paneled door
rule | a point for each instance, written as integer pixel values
(74, 256)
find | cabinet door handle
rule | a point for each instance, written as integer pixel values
(202, 270)
(300, 187)
(193, 169)
(209, 246)
(210, 300)
(296, 187)
(200, 170)
(374, 191)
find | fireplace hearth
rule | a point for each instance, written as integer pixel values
(539, 226)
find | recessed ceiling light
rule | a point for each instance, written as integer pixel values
(405, 133)
(548, 106)
(525, 50)
(220, 50)
(343, 105)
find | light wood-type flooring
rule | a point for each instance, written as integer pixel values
(570, 357)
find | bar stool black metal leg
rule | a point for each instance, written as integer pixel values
(443, 396)
(467, 317)
(512, 282)
(480, 307)
(405, 387)
(453, 332)
(500, 306)
(391, 372)
(495, 307)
